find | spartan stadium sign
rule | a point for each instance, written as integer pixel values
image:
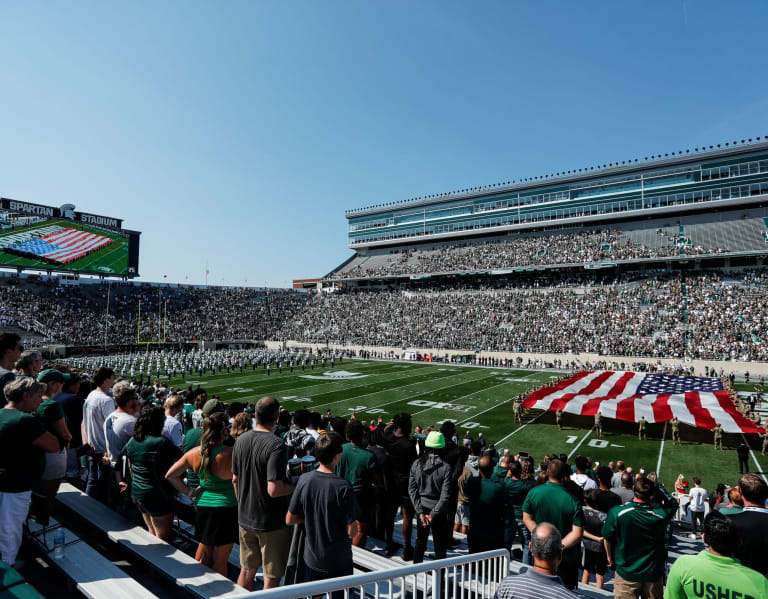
(66, 211)
(335, 375)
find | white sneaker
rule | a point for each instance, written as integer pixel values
(692, 536)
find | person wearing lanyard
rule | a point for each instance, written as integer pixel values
(752, 523)
(216, 517)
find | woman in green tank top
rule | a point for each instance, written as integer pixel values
(216, 518)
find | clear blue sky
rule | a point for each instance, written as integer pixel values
(239, 132)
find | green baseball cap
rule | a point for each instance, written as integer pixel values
(50, 375)
(435, 440)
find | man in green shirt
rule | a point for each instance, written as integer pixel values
(552, 503)
(359, 467)
(486, 514)
(636, 535)
(715, 572)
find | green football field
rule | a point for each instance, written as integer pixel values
(480, 400)
(113, 259)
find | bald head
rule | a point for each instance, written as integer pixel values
(267, 410)
(546, 543)
(485, 466)
(626, 480)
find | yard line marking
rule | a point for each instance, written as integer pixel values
(754, 457)
(491, 408)
(418, 395)
(661, 449)
(340, 389)
(584, 438)
(520, 428)
(465, 396)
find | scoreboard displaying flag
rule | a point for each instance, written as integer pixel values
(697, 401)
(64, 239)
(63, 246)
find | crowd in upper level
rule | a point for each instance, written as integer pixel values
(584, 247)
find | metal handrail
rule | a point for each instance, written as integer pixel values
(357, 581)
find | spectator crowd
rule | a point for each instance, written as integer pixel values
(273, 482)
(521, 251)
(699, 316)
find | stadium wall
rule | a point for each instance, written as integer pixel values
(737, 367)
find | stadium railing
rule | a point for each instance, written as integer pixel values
(476, 576)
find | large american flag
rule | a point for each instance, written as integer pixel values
(696, 401)
(62, 246)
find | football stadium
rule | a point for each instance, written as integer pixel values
(550, 386)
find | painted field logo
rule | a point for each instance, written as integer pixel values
(335, 375)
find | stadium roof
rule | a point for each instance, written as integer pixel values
(612, 168)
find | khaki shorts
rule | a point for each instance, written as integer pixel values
(266, 549)
(624, 589)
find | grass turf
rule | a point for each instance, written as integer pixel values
(480, 400)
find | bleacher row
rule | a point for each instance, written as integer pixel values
(727, 233)
(98, 577)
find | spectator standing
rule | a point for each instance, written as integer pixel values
(72, 405)
(625, 492)
(606, 499)
(150, 455)
(358, 467)
(298, 440)
(581, 478)
(10, 352)
(386, 496)
(193, 436)
(259, 462)
(516, 487)
(551, 502)
(23, 445)
(327, 506)
(52, 415)
(595, 555)
(752, 523)
(30, 363)
(98, 405)
(173, 429)
(119, 425)
(635, 534)
(401, 448)
(463, 509)
(430, 487)
(715, 571)
(541, 580)
(216, 514)
(699, 498)
(486, 517)
(616, 479)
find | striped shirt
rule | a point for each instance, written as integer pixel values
(533, 585)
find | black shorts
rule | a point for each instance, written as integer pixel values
(154, 507)
(216, 526)
(595, 562)
(404, 499)
(367, 502)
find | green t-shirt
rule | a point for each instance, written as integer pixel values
(551, 503)
(358, 466)
(516, 491)
(21, 463)
(191, 440)
(708, 575)
(50, 412)
(638, 533)
(150, 460)
(499, 473)
(486, 507)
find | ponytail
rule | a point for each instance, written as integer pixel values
(214, 427)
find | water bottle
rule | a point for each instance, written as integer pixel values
(58, 545)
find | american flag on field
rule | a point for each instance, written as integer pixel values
(62, 246)
(696, 401)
